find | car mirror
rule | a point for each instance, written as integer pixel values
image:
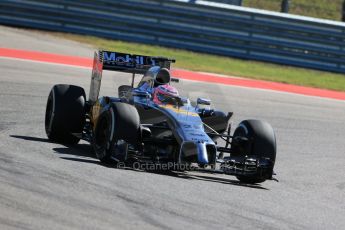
(175, 80)
(203, 101)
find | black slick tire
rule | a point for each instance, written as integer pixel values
(119, 122)
(262, 144)
(65, 113)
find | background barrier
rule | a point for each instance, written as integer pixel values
(201, 26)
(231, 2)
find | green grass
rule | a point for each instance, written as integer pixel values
(327, 9)
(222, 65)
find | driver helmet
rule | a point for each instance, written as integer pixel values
(164, 94)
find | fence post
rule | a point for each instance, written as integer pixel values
(285, 6)
(343, 13)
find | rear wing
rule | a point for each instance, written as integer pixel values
(131, 63)
(128, 63)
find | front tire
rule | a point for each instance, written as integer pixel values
(65, 113)
(261, 144)
(117, 124)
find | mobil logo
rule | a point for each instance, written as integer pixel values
(123, 59)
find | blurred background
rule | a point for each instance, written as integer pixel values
(326, 9)
(231, 37)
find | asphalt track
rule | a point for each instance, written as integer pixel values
(50, 186)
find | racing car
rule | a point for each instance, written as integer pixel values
(151, 123)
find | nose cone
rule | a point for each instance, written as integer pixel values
(202, 153)
(194, 152)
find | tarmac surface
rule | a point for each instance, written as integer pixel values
(44, 185)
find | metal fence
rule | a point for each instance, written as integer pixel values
(200, 26)
(231, 2)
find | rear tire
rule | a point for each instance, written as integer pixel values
(119, 122)
(65, 113)
(262, 145)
